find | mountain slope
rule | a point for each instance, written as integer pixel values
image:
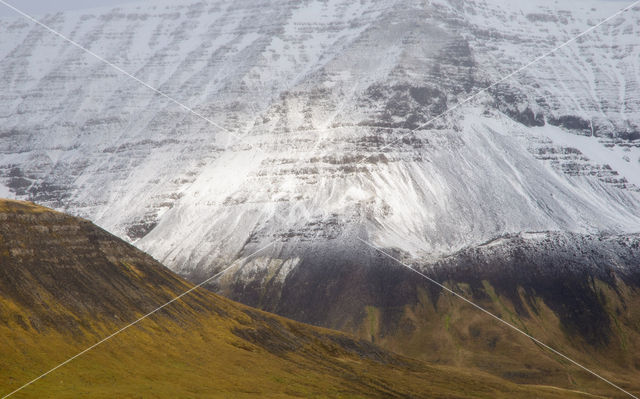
(579, 294)
(66, 283)
(329, 153)
(332, 96)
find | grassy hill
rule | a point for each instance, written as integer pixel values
(65, 284)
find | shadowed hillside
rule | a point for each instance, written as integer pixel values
(578, 293)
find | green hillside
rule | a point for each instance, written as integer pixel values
(65, 284)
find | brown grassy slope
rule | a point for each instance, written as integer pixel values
(65, 284)
(594, 322)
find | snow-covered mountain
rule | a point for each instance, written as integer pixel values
(324, 105)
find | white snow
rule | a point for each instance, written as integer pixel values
(300, 80)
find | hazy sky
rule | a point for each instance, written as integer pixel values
(38, 7)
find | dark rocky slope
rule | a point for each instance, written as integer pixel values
(578, 293)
